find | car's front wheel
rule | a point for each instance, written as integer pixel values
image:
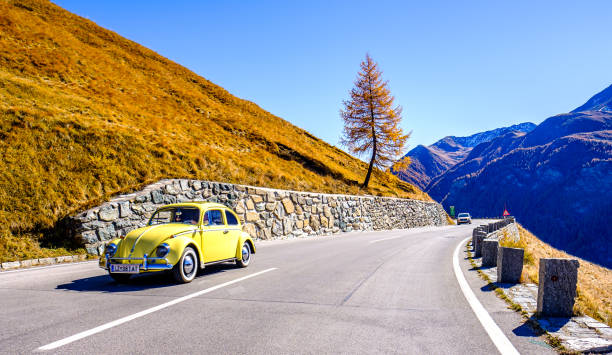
(186, 269)
(245, 255)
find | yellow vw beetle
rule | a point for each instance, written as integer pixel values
(182, 237)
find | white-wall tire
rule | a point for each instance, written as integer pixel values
(187, 267)
(245, 255)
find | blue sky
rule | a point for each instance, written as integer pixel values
(456, 67)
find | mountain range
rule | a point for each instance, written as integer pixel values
(556, 177)
(429, 162)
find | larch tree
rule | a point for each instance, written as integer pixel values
(371, 121)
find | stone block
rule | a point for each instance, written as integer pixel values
(184, 184)
(171, 189)
(46, 261)
(287, 226)
(250, 229)
(324, 222)
(240, 208)
(197, 185)
(108, 214)
(107, 233)
(252, 216)
(478, 247)
(475, 231)
(557, 287)
(11, 265)
(256, 199)
(25, 263)
(270, 196)
(509, 264)
(314, 222)
(277, 229)
(489, 252)
(157, 197)
(124, 209)
(89, 237)
(250, 205)
(289, 207)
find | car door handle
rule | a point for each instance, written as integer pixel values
(225, 231)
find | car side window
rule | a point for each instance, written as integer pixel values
(214, 218)
(231, 219)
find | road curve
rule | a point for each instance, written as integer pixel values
(364, 292)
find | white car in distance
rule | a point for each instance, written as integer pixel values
(464, 218)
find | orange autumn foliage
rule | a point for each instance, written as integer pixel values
(371, 121)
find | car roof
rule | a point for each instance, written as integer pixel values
(202, 205)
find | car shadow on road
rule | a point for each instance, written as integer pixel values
(104, 283)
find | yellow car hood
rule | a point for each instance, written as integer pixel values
(148, 238)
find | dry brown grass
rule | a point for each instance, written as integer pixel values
(594, 282)
(25, 247)
(86, 114)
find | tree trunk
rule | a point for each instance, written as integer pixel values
(367, 179)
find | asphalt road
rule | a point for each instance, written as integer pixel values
(363, 292)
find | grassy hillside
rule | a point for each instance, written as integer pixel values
(594, 282)
(86, 114)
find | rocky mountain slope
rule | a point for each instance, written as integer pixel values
(86, 114)
(600, 102)
(556, 179)
(427, 163)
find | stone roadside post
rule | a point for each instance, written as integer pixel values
(479, 238)
(489, 252)
(509, 264)
(557, 287)
(475, 232)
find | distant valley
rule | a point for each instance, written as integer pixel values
(556, 177)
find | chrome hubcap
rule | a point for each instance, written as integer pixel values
(188, 264)
(246, 253)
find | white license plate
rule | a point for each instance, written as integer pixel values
(125, 268)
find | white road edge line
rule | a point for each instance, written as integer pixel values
(70, 339)
(497, 336)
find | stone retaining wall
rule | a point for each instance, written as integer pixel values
(265, 213)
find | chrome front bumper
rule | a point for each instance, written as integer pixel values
(148, 263)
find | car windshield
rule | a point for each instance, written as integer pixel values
(184, 215)
(463, 215)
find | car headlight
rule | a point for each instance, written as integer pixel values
(162, 250)
(111, 249)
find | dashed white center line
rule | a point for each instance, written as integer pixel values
(98, 329)
(382, 240)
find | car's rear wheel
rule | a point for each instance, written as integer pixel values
(121, 278)
(245, 255)
(186, 269)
